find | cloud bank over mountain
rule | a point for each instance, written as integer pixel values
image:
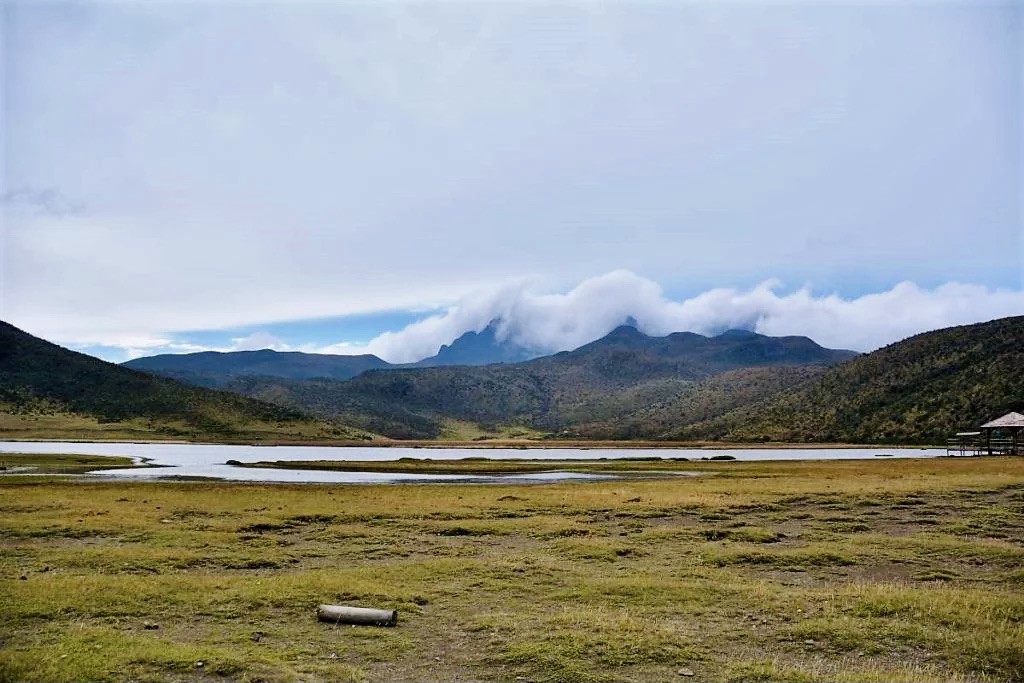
(556, 322)
(545, 322)
(188, 175)
(174, 169)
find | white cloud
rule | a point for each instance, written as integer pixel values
(137, 347)
(550, 322)
(257, 341)
(198, 166)
(556, 322)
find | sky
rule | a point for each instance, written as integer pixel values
(350, 177)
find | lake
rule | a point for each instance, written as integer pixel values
(210, 460)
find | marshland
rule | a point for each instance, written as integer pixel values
(887, 569)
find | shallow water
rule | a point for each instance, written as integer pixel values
(209, 460)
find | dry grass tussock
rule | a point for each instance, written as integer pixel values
(886, 570)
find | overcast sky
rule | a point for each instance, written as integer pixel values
(382, 176)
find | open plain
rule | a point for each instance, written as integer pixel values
(850, 570)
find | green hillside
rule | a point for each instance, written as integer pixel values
(922, 389)
(213, 368)
(738, 386)
(50, 392)
(600, 390)
(688, 403)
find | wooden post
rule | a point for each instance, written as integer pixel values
(339, 614)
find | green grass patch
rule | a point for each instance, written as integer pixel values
(728, 576)
(799, 559)
(43, 463)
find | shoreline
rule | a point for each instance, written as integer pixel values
(567, 444)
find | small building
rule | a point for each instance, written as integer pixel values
(1003, 436)
(964, 443)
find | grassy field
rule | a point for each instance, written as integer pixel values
(462, 430)
(28, 463)
(484, 466)
(59, 426)
(902, 570)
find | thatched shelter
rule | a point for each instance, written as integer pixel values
(1004, 435)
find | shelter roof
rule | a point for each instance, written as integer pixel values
(1008, 420)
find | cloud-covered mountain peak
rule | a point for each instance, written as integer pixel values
(487, 346)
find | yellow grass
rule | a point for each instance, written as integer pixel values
(898, 570)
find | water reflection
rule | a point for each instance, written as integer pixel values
(209, 460)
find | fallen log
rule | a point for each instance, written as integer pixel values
(363, 616)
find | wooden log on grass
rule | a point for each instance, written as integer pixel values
(363, 616)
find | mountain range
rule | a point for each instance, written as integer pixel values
(479, 348)
(47, 391)
(215, 368)
(568, 393)
(737, 386)
(922, 389)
